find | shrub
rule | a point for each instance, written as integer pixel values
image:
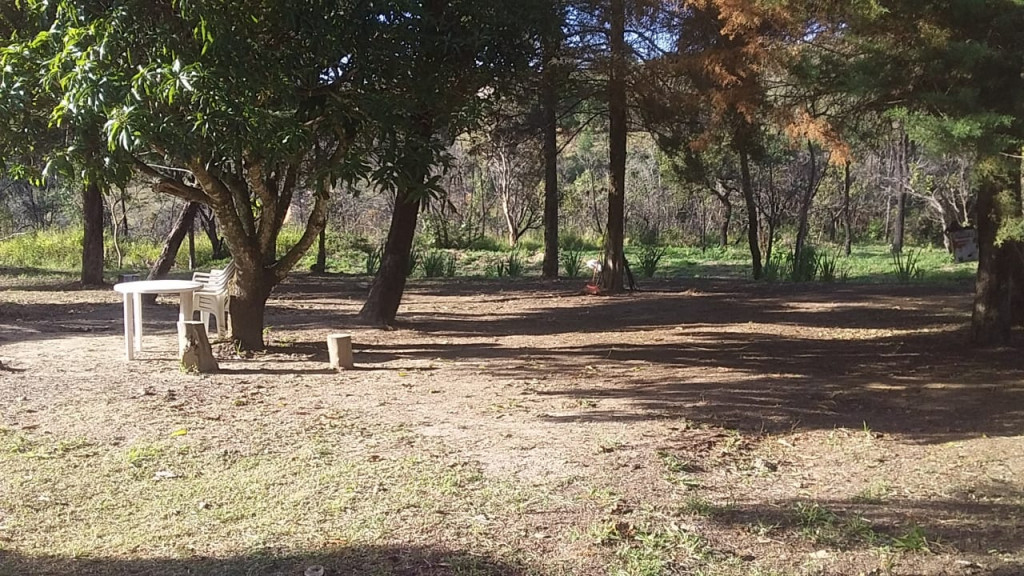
(514, 264)
(829, 269)
(530, 244)
(486, 244)
(572, 241)
(354, 242)
(905, 265)
(572, 262)
(804, 267)
(373, 258)
(649, 257)
(438, 263)
(648, 236)
(772, 270)
(510, 264)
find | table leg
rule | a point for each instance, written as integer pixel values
(185, 304)
(138, 321)
(129, 322)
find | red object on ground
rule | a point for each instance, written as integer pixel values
(592, 289)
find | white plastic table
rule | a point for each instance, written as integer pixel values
(133, 292)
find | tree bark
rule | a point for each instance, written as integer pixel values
(248, 307)
(208, 221)
(614, 253)
(321, 253)
(722, 193)
(847, 215)
(805, 204)
(998, 265)
(902, 183)
(92, 241)
(549, 104)
(192, 265)
(747, 186)
(385, 296)
(171, 246)
(173, 241)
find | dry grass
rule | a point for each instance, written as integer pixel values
(518, 429)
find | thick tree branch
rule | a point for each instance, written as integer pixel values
(317, 221)
(170, 186)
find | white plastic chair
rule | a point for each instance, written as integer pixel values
(213, 297)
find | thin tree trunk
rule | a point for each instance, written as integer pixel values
(549, 103)
(172, 244)
(124, 216)
(511, 226)
(847, 215)
(192, 264)
(722, 193)
(385, 296)
(746, 185)
(903, 183)
(805, 204)
(614, 253)
(92, 241)
(208, 222)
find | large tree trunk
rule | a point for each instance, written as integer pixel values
(549, 103)
(998, 266)
(747, 186)
(321, 253)
(847, 214)
(92, 242)
(385, 296)
(248, 306)
(614, 253)
(171, 246)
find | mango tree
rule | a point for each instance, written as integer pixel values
(235, 107)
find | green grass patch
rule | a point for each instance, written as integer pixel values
(59, 251)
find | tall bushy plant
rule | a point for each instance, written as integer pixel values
(510, 264)
(373, 261)
(572, 262)
(649, 257)
(804, 266)
(829, 269)
(905, 265)
(773, 268)
(438, 263)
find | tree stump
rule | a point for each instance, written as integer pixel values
(194, 348)
(339, 347)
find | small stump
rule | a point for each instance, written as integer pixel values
(339, 347)
(194, 348)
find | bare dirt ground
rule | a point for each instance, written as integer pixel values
(697, 427)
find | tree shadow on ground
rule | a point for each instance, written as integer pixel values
(338, 561)
(922, 382)
(868, 307)
(960, 523)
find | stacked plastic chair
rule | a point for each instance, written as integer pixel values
(213, 298)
